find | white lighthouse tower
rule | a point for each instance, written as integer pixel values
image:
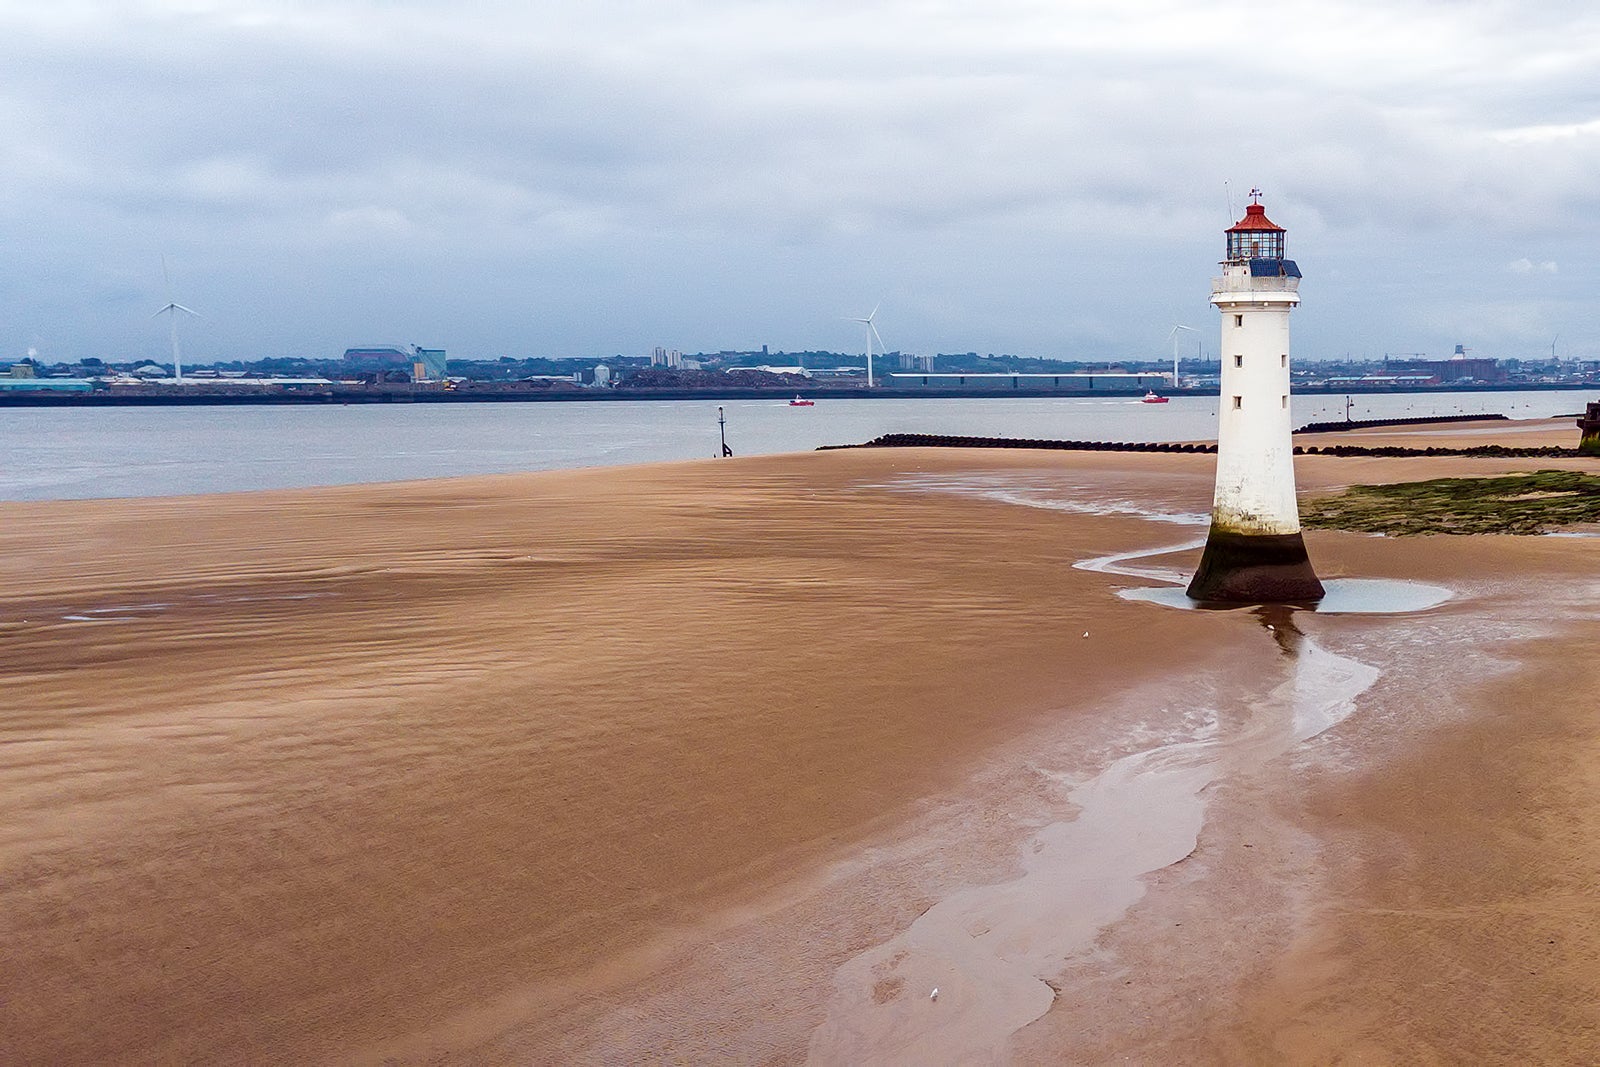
(1255, 553)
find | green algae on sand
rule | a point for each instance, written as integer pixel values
(1508, 504)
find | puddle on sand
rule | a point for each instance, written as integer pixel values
(147, 612)
(988, 949)
(119, 613)
(1118, 563)
(1033, 493)
(1346, 596)
(969, 972)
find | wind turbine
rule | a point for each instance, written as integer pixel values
(1173, 337)
(872, 331)
(171, 311)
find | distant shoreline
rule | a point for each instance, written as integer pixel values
(191, 396)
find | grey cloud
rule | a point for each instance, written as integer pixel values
(1025, 175)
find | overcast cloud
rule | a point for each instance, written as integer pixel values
(1030, 176)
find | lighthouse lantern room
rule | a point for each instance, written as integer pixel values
(1255, 552)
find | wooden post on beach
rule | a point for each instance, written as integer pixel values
(722, 426)
(1255, 553)
(1589, 443)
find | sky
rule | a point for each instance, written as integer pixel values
(1047, 178)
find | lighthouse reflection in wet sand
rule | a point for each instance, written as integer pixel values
(1254, 552)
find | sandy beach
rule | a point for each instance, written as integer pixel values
(737, 761)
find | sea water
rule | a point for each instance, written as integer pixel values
(71, 453)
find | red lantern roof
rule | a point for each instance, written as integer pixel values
(1255, 218)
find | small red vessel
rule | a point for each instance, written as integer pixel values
(1153, 398)
(797, 402)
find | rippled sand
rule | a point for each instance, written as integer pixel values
(660, 762)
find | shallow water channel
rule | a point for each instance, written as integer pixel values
(972, 968)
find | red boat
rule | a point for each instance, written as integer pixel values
(797, 402)
(1153, 398)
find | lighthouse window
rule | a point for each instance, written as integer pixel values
(1255, 244)
(1238, 320)
(1283, 360)
(1286, 400)
(1238, 361)
(1238, 402)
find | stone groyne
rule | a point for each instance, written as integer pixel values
(922, 440)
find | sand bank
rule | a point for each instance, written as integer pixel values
(632, 763)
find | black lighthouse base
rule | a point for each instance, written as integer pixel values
(1241, 568)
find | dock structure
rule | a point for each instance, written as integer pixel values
(1255, 552)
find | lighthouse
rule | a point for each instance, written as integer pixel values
(1254, 552)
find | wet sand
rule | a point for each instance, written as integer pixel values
(643, 763)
